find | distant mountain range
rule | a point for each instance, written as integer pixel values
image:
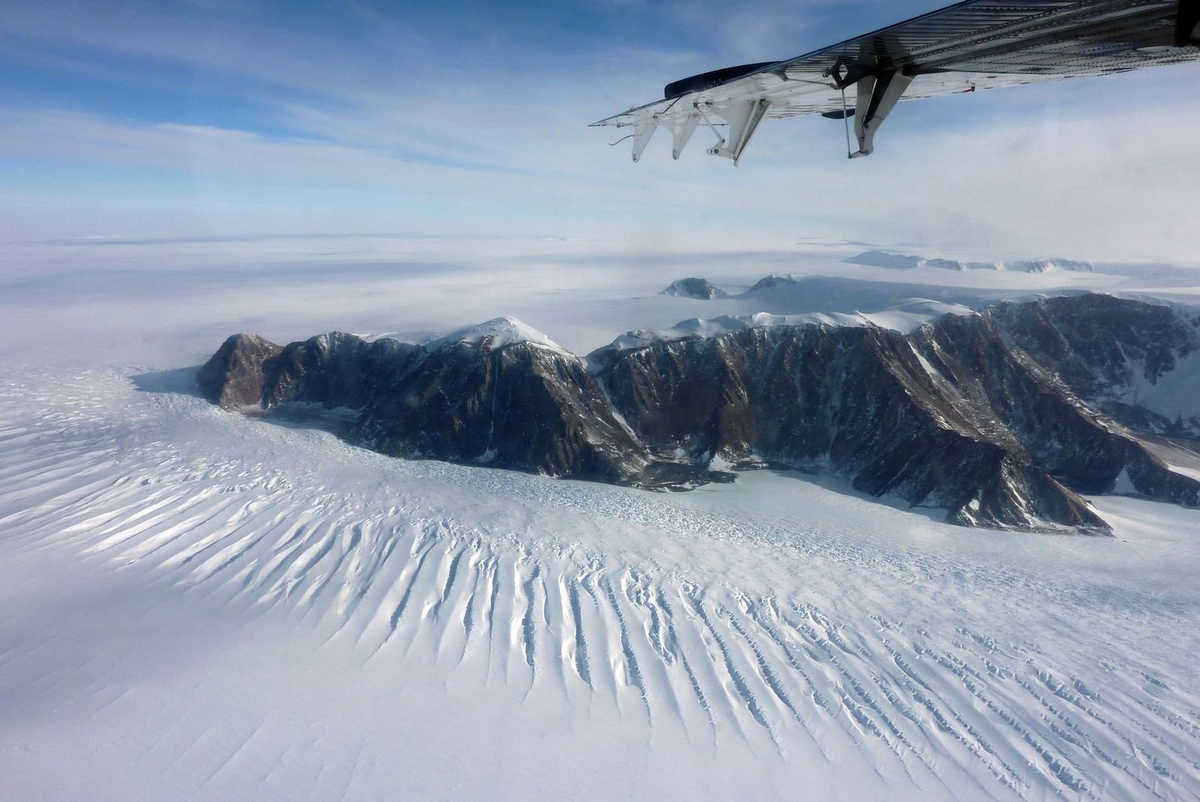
(702, 289)
(899, 261)
(1000, 418)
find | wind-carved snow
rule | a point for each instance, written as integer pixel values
(498, 333)
(855, 648)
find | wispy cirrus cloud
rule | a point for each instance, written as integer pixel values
(200, 118)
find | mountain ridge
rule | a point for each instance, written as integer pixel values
(970, 414)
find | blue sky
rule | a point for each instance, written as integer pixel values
(240, 119)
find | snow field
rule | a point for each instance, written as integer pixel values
(199, 603)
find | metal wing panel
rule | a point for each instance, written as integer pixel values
(1057, 37)
(977, 44)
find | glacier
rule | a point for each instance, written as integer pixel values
(222, 606)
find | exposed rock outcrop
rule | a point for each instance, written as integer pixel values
(1000, 418)
(521, 406)
(235, 375)
(1139, 363)
(337, 370)
(857, 400)
(499, 394)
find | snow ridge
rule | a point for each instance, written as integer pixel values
(497, 333)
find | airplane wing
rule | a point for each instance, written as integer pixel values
(965, 47)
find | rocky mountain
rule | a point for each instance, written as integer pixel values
(1138, 363)
(854, 400)
(500, 393)
(900, 261)
(237, 373)
(697, 288)
(999, 418)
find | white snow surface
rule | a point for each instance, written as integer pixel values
(206, 604)
(201, 604)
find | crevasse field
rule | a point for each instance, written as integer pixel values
(202, 604)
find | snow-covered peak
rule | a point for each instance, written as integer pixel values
(698, 288)
(913, 313)
(499, 333)
(772, 282)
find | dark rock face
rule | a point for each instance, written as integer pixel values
(234, 376)
(337, 370)
(522, 406)
(1060, 434)
(697, 288)
(856, 400)
(998, 418)
(1102, 348)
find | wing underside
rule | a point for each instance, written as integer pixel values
(969, 46)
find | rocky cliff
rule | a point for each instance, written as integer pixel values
(1001, 418)
(237, 373)
(855, 400)
(498, 394)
